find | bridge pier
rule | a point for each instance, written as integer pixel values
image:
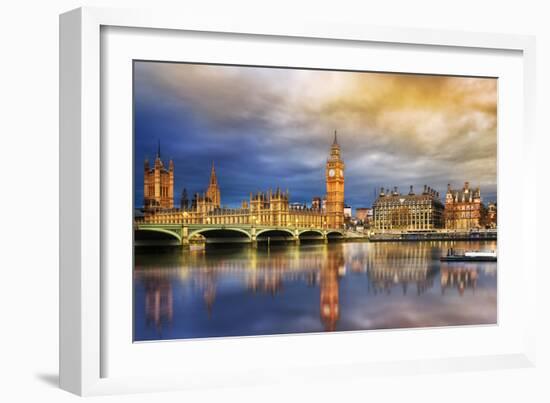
(297, 236)
(253, 239)
(185, 237)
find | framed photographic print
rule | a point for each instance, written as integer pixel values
(270, 198)
(324, 227)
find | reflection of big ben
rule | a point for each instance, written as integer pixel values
(329, 292)
(335, 187)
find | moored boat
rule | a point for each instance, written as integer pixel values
(469, 256)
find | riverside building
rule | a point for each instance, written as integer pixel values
(393, 211)
(463, 208)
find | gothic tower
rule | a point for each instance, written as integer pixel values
(334, 175)
(213, 191)
(158, 184)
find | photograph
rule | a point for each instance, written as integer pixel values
(277, 200)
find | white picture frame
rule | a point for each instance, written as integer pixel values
(84, 192)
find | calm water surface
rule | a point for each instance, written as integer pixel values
(237, 290)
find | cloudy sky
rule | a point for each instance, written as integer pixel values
(267, 127)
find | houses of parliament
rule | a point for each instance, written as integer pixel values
(270, 208)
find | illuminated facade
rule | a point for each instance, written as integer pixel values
(213, 190)
(396, 211)
(463, 208)
(362, 214)
(491, 215)
(270, 207)
(158, 184)
(334, 176)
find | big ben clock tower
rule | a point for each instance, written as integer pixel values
(335, 187)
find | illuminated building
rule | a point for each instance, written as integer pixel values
(396, 211)
(463, 208)
(334, 176)
(347, 211)
(158, 184)
(213, 190)
(362, 213)
(316, 203)
(491, 219)
(270, 207)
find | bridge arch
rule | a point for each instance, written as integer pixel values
(203, 231)
(309, 231)
(335, 234)
(274, 230)
(161, 230)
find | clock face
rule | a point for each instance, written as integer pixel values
(331, 173)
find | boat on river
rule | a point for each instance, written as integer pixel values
(469, 256)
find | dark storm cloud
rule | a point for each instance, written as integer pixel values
(273, 127)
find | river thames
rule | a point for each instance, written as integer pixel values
(237, 290)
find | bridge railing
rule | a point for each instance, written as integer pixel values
(259, 227)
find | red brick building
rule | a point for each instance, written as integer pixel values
(463, 208)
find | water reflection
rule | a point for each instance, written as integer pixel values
(232, 291)
(158, 299)
(394, 267)
(329, 295)
(461, 277)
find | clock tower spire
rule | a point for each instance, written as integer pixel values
(334, 177)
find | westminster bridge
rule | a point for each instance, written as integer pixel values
(185, 234)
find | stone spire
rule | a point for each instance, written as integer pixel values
(213, 179)
(213, 191)
(335, 148)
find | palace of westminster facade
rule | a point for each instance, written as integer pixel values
(270, 208)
